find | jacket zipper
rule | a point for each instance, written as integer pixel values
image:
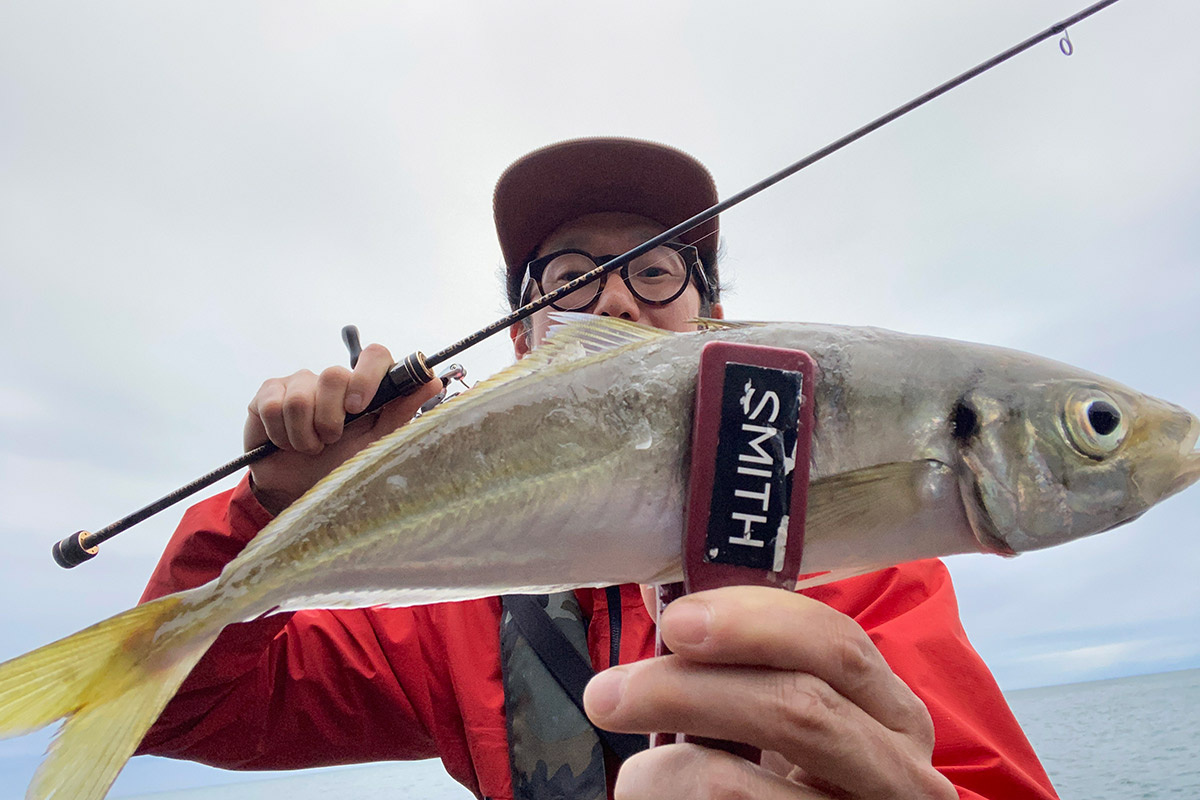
(613, 593)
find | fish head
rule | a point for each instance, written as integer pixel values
(1056, 460)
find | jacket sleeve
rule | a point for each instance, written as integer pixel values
(288, 691)
(911, 614)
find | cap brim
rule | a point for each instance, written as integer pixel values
(567, 180)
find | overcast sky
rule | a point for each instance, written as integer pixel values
(195, 196)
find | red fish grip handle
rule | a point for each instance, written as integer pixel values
(748, 482)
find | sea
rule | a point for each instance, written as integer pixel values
(1120, 739)
(1126, 738)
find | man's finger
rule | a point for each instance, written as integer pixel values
(329, 415)
(299, 405)
(793, 713)
(758, 626)
(691, 772)
(265, 420)
(373, 363)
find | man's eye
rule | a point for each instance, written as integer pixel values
(561, 278)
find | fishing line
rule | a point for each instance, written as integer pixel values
(415, 370)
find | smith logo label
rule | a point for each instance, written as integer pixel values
(756, 453)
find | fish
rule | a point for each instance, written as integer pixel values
(569, 470)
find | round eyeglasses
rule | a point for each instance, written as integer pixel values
(655, 278)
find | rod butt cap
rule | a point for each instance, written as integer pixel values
(70, 552)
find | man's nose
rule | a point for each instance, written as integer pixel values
(617, 301)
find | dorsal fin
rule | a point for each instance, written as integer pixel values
(707, 324)
(595, 334)
(573, 336)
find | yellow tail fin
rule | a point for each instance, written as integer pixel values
(110, 682)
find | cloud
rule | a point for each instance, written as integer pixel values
(197, 196)
(1109, 659)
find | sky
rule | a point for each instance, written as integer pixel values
(197, 196)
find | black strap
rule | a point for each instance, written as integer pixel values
(564, 663)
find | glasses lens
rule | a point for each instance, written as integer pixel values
(658, 275)
(564, 269)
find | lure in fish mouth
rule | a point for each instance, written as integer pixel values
(1067, 459)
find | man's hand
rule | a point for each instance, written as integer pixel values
(304, 414)
(779, 671)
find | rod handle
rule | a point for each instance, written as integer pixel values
(403, 379)
(668, 593)
(408, 375)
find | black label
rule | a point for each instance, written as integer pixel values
(752, 482)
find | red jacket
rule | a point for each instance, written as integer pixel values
(333, 687)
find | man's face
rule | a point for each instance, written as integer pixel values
(611, 233)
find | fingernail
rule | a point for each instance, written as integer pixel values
(603, 693)
(687, 621)
(354, 403)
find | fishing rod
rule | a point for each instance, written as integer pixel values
(415, 369)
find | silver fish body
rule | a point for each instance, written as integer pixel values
(569, 469)
(573, 472)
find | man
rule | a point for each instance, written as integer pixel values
(862, 688)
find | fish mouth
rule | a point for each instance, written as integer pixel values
(1189, 470)
(1189, 473)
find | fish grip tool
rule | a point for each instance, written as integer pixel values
(748, 481)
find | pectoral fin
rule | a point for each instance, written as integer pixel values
(871, 497)
(883, 515)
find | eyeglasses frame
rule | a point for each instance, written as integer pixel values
(691, 255)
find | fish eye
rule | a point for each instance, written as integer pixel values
(1094, 423)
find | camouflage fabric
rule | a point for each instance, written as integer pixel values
(554, 750)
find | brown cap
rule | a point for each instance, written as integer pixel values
(550, 186)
